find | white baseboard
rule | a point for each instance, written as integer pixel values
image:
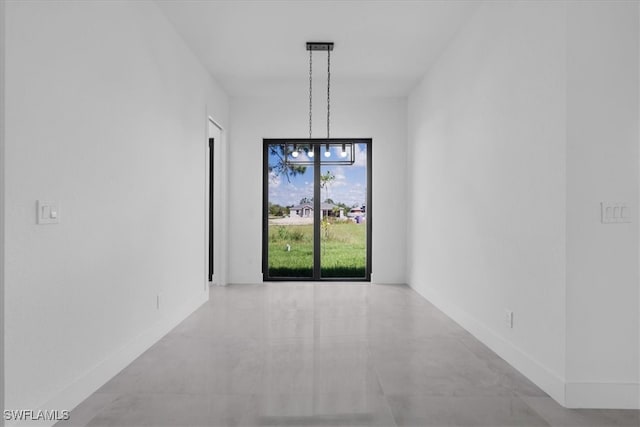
(603, 395)
(95, 378)
(548, 381)
(568, 394)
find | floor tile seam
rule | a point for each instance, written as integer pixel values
(487, 363)
(110, 402)
(204, 393)
(95, 413)
(323, 339)
(484, 361)
(380, 385)
(541, 414)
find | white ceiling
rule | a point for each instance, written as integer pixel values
(382, 48)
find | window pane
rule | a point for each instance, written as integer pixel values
(290, 216)
(343, 233)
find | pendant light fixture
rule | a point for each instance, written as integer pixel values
(336, 151)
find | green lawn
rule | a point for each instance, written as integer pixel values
(343, 250)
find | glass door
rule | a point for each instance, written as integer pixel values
(343, 223)
(289, 214)
(316, 221)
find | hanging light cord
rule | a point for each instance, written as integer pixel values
(328, 93)
(310, 90)
(328, 90)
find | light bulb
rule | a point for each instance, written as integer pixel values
(310, 153)
(294, 153)
(327, 153)
(343, 153)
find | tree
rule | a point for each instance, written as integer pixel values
(326, 180)
(277, 210)
(344, 207)
(305, 200)
(282, 167)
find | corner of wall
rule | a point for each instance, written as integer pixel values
(2, 169)
(459, 116)
(602, 395)
(637, 211)
(548, 381)
(603, 366)
(97, 376)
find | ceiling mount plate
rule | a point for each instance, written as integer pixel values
(319, 45)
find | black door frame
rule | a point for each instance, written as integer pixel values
(211, 209)
(316, 142)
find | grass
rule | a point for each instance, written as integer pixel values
(343, 250)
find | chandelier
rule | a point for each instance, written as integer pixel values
(329, 151)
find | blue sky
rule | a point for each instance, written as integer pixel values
(349, 187)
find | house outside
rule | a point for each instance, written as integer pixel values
(305, 210)
(355, 212)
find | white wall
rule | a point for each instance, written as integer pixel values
(2, 205)
(255, 118)
(487, 171)
(107, 114)
(529, 120)
(602, 166)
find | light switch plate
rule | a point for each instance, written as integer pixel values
(48, 212)
(615, 212)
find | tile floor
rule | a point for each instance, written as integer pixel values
(287, 354)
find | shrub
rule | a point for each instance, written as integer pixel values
(296, 235)
(283, 232)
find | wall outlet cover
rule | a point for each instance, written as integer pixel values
(508, 318)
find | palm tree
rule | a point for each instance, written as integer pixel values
(325, 182)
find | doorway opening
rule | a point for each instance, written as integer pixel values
(316, 210)
(214, 232)
(211, 183)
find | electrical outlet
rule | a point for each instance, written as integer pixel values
(508, 318)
